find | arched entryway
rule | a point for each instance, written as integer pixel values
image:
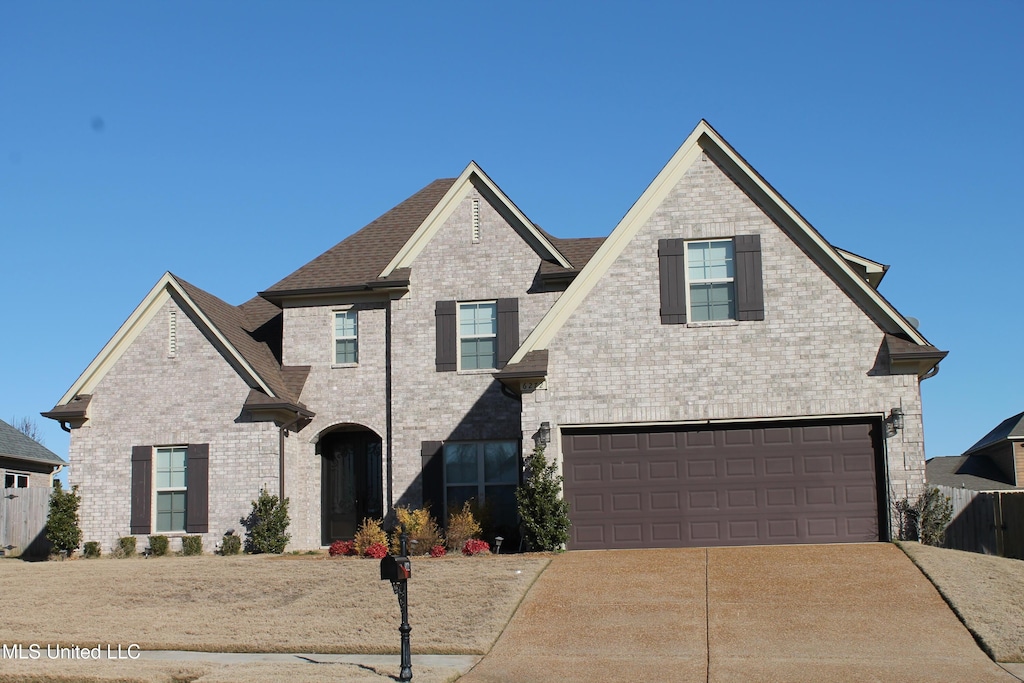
(350, 481)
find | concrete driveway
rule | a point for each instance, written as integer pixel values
(789, 613)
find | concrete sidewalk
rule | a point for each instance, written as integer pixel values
(785, 613)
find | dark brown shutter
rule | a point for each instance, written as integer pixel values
(508, 329)
(446, 357)
(671, 267)
(142, 489)
(432, 455)
(749, 285)
(197, 469)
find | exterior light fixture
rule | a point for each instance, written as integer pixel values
(543, 436)
(497, 544)
(896, 419)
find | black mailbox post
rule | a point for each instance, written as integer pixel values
(397, 570)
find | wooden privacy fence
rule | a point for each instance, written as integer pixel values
(990, 523)
(23, 522)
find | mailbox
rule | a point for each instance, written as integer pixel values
(395, 568)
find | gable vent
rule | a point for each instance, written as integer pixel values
(476, 221)
(172, 333)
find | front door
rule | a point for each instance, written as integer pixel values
(350, 483)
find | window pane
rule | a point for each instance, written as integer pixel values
(170, 511)
(710, 260)
(501, 462)
(460, 465)
(479, 353)
(478, 319)
(345, 351)
(712, 302)
(458, 495)
(345, 324)
(500, 502)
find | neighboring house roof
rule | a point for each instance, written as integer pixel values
(14, 444)
(705, 140)
(964, 471)
(236, 330)
(872, 271)
(1010, 429)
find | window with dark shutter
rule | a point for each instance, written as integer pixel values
(671, 271)
(142, 489)
(432, 476)
(197, 505)
(749, 284)
(446, 354)
(508, 329)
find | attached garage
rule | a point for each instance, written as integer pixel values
(711, 485)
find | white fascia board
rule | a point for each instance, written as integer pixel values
(135, 324)
(444, 209)
(613, 246)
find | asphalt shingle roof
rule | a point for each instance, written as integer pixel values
(976, 473)
(1012, 428)
(14, 444)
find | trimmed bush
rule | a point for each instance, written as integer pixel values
(267, 525)
(438, 551)
(421, 527)
(62, 528)
(342, 548)
(230, 544)
(191, 545)
(475, 546)
(91, 549)
(368, 534)
(159, 545)
(544, 512)
(126, 546)
(377, 551)
(462, 526)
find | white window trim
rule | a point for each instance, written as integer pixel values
(12, 473)
(335, 338)
(157, 490)
(687, 281)
(459, 336)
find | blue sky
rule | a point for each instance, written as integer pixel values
(232, 142)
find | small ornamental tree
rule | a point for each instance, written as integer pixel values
(267, 525)
(62, 522)
(544, 512)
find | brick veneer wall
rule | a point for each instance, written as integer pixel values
(149, 398)
(815, 353)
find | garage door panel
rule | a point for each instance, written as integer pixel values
(665, 488)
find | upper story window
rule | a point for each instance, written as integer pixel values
(346, 337)
(171, 488)
(15, 480)
(710, 274)
(709, 280)
(478, 335)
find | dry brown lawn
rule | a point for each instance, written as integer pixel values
(311, 604)
(986, 592)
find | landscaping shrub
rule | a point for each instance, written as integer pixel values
(159, 545)
(126, 546)
(475, 546)
(925, 519)
(91, 549)
(368, 534)
(267, 524)
(377, 551)
(62, 528)
(438, 551)
(230, 544)
(462, 526)
(544, 512)
(421, 527)
(342, 548)
(191, 545)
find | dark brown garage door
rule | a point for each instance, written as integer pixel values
(735, 485)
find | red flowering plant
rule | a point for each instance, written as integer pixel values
(342, 548)
(377, 551)
(438, 551)
(475, 546)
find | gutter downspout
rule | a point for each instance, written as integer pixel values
(388, 417)
(57, 469)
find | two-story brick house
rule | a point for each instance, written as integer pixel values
(712, 372)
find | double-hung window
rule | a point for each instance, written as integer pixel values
(346, 337)
(486, 472)
(710, 273)
(171, 488)
(15, 480)
(478, 335)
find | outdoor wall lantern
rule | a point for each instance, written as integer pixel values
(896, 419)
(543, 436)
(398, 569)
